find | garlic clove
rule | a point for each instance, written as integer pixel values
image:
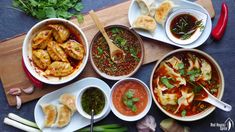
(14, 91)
(18, 102)
(28, 90)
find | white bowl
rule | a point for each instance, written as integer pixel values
(208, 110)
(135, 117)
(79, 105)
(27, 51)
(197, 14)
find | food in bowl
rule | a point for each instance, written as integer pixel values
(93, 98)
(55, 51)
(178, 80)
(131, 99)
(125, 39)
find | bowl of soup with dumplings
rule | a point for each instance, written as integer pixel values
(55, 51)
(177, 83)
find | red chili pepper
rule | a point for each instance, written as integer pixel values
(219, 29)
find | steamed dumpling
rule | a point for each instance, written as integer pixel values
(55, 52)
(59, 69)
(146, 23)
(60, 32)
(41, 39)
(69, 101)
(73, 49)
(50, 114)
(64, 116)
(41, 58)
(162, 11)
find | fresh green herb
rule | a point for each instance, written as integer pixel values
(42, 9)
(100, 51)
(166, 82)
(106, 128)
(199, 25)
(115, 30)
(213, 90)
(180, 65)
(193, 74)
(197, 88)
(121, 41)
(181, 71)
(134, 54)
(183, 113)
(129, 100)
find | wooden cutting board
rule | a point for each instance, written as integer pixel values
(11, 71)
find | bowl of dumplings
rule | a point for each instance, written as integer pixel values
(55, 51)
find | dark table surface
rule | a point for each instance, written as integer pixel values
(13, 22)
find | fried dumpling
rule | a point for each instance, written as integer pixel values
(64, 116)
(69, 101)
(162, 11)
(50, 114)
(146, 23)
(59, 69)
(60, 32)
(56, 52)
(73, 49)
(41, 39)
(41, 58)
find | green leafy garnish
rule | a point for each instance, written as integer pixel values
(129, 100)
(121, 41)
(183, 113)
(134, 54)
(193, 74)
(180, 65)
(115, 30)
(42, 9)
(166, 82)
(100, 51)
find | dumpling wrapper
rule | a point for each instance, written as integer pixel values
(59, 69)
(41, 58)
(145, 22)
(60, 32)
(74, 49)
(64, 116)
(144, 7)
(162, 11)
(206, 71)
(69, 101)
(56, 52)
(174, 61)
(41, 39)
(50, 113)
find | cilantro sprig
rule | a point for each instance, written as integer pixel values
(129, 100)
(42, 9)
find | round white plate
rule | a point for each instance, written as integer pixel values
(77, 121)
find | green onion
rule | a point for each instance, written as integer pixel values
(183, 113)
(106, 128)
(22, 120)
(19, 125)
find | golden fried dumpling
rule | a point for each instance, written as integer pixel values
(41, 58)
(69, 101)
(41, 39)
(64, 116)
(145, 22)
(50, 113)
(162, 11)
(59, 69)
(56, 52)
(73, 49)
(60, 32)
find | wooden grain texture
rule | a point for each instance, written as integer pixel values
(11, 71)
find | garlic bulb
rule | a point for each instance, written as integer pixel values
(148, 124)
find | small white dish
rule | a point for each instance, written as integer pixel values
(79, 101)
(135, 117)
(27, 51)
(197, 14)
(77, 121)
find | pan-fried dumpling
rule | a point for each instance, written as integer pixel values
(64, 116)
(60, 32)
(59, 69)
(55, 52)
(162, 11)
(41, 58)
(50, 114)
(146, 23)
(69, 101)
(41, 39)
(206, 71)
(73, 49)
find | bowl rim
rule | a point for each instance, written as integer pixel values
(196, 34)
(104, 75)
(203, 113)
(80, 109)
(30, 67)
(135, 117)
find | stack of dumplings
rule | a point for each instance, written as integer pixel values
(59, 115)
(54, 52)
